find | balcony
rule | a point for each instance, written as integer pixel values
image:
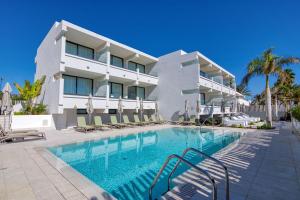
(77, 65)
(72, 101)
(207, 110)
(211, 84)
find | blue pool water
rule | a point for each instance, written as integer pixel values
(126, 165)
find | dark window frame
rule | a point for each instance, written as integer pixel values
(77, 51)
(136, 88)
(112, 111)
(76, 77)
(81, 111)
(204, 103)
(110, 89)
(111, 56)
(136, 66)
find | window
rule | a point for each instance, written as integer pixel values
(112, 111)
(134, 92)
(202, 99)
(116, 61)
(84, 86)
(134, 66)
(79, 50)
(77, 86)
(204, 74)
(81, 111)
(69, 84)
(116, 90)
(141, 68)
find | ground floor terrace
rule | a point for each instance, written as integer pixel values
(262, 165)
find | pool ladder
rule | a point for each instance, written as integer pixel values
(202, 171)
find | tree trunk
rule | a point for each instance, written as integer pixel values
(268, 102)
(276, 107)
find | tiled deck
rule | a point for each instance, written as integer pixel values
(263, 165)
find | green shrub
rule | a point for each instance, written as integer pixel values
(38, 109)
(265, 126)
(251, 123)
(296, 112)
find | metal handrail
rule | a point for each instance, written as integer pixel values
(208, 157)
(214, 187)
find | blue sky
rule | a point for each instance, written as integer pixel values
(229, 32)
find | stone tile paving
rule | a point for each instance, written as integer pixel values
(263, 165)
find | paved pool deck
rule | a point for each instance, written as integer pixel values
(262, 165)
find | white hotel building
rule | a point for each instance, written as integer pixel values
(78, 62)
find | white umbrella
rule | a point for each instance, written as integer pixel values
(141, 108)
(198, 110)
(120, 108)
(90, 108)
(186, 109)
(6, 107)
(156, 109)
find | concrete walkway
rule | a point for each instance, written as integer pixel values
(263, 165)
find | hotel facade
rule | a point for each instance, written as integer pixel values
(78, 63)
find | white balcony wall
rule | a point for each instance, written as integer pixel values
(82, 64)
(74, 101)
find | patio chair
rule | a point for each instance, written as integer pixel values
(137, 121)
(161, 119)
(127, 122)
(230, 122)
(180, 121)
(154, 119)
(98, 123)
(11, 135)
(147, 120)
(81, 125)
(115, 123)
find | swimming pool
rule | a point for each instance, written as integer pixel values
(126, 165)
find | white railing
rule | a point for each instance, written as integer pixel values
(209, 83)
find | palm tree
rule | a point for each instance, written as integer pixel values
(266, 65)
(283, 89)
(29, 92)
(243, 90)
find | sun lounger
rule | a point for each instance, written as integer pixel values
(230, 122)
(81, 125)
(137, 121)
(98, 123)
(115, 123)
(254, 119)
(127, 122)
(180, 121)
(147, 120)
(154, 120)
(11, 135)
(161, 119)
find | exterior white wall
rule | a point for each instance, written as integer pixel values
(173, 78)
(48, 61)
(32, 121)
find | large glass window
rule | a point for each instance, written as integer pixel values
(116, 90)
(116, 61)
(77, 86)
(141, 68)
(79, 50)
(69, 84)
(134, 92)
(85, 52)
(71, 48)
(134, 66)
(202, 99)
(84, 86)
